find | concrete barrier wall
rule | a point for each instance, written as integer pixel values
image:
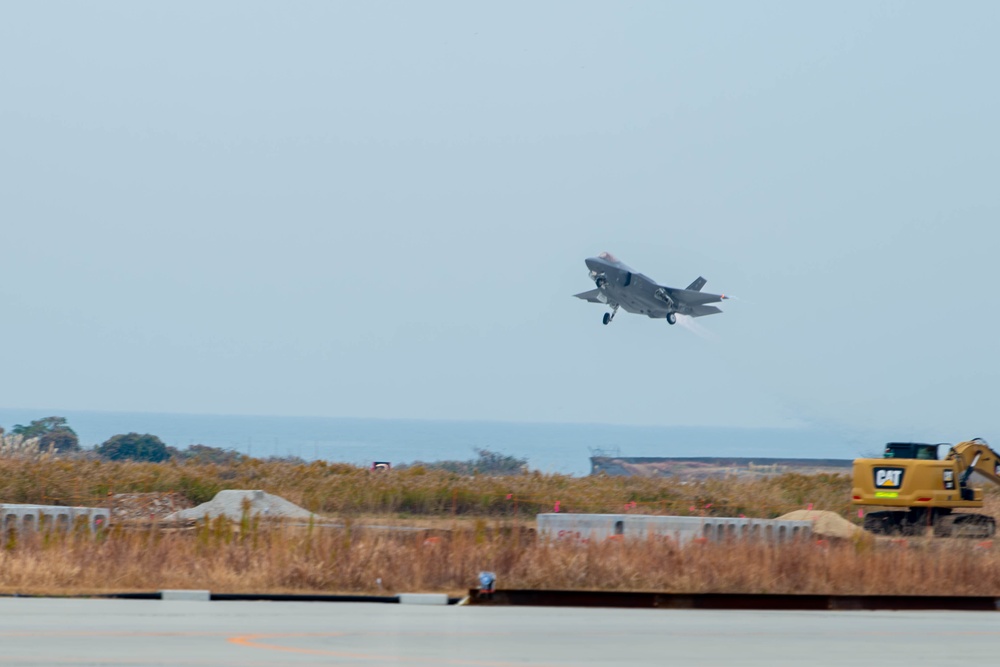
(683, 529)
(50, 517)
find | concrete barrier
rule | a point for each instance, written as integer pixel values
(32, 518)
(743, 601)
(683, 529)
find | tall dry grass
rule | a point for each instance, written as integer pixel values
(13, 446)
(343, 490)
(260, 559)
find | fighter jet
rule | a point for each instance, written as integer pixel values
(618, 286)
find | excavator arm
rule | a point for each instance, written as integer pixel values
(976, 455)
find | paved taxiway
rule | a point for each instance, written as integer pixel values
(140, 632)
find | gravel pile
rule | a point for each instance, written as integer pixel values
(230, 504)
(146, 506)
(826, 524)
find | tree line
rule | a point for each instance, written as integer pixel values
(54, 434)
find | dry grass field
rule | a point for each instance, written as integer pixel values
(276, 559)
(474, 523)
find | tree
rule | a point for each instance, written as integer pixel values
(51, 432)
(206, 454)
(487, 463)
(133, 447)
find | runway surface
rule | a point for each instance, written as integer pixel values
(140, 632)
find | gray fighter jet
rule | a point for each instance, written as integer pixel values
(618, 286)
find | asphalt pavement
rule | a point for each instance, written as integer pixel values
(39, 631)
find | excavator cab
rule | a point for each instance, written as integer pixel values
(910, 450)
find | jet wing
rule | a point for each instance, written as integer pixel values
(593, 296)
(701, 311)
(692, 298)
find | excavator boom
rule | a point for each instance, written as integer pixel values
(976, 456)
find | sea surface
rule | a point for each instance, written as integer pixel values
(549, 447)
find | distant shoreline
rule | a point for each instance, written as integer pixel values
(712, 466)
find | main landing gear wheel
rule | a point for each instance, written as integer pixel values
(671, 318)
(607, 318)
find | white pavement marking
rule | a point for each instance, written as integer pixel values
(185, 594)
(423, 598)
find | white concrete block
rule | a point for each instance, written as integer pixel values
(423, 598)
(600, 527)
(49, 517)
(196, 595)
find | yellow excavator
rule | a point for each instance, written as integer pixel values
(925, 489)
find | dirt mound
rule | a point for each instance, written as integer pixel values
(826, 524)
(231, 505)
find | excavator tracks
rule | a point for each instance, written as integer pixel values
(912, 523)
(977, 526)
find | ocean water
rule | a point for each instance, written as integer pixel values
(549, 447)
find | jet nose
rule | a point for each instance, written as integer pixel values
(594, 264)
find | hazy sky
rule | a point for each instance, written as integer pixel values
(382, 209)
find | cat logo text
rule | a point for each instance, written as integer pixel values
(888, 478)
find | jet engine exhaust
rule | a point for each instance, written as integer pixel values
(692, 325)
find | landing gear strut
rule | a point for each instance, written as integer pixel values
(610, 316)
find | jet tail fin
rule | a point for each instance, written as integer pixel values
(697, 284)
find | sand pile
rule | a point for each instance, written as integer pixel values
(826, 524)
(230, 504)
